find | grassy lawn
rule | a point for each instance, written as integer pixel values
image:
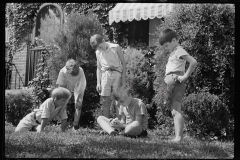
(88, 143)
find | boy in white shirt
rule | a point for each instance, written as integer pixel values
(72, 77)
(175, 77)
(49, 109)
(111, 69)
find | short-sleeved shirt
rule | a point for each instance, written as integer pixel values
(47, 108)
(110, 58)
(174, 63)
(136, 107)
(76, 84)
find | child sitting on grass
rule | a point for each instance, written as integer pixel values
(49, 109)
(133, 118)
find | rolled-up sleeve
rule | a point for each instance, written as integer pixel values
(61, 80)
(80, 87)
(46, 109)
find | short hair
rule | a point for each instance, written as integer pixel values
(61, 93)
(95, 40)
(166, 36)
(71, 62)
(121, 92)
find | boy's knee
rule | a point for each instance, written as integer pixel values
(133, 129)
(175, 112)
(19, 129)
(100, 118)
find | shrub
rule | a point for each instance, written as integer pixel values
(74, 42)
(163, 113)
(207, 31)
(205, 115)
(17, 106)
(140, 77)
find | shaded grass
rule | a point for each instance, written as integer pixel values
(89, 143)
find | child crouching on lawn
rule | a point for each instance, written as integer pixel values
(133, 118)
(49, 109)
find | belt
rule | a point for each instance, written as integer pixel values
(176, 72)
(111, 69)
(35, 117)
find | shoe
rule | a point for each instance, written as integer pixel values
(113, 133)
(102, 132)
(75, 128)
(121, 132)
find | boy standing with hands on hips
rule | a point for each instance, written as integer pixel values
(175, 77)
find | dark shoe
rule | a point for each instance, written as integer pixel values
(113, 133)
(33, 129)
(75, 128)
(143, 134)
(102, 132)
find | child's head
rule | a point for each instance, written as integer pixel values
(96, 40)
(123, 96)
(61, 93)
(168, 39)
(72, 67)
(61, 96)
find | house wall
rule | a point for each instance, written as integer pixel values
(19, 59)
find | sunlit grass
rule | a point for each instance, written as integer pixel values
(88, 143)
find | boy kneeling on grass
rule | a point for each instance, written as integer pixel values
(49, 109)
(132, 119)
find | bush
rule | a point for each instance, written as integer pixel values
(205, 115)
(17, 106)
(74, 42)
(207, 31)
(163, 113)
(140, 77)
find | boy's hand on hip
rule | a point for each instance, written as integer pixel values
(181, 78)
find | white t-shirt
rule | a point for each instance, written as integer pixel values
(110, 58)
(174, 63)
(136, 108)
(47, 108)
(76, 84)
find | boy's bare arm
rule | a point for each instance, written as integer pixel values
(139, 118)
(45, 121)
(43, 124)
(61, 80)
(79, 91)
(121, 57)
(99, 75)
(192, 65)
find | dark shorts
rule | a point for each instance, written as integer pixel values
(175, 90)
(144, 133)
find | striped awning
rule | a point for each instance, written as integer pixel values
(130, 11)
